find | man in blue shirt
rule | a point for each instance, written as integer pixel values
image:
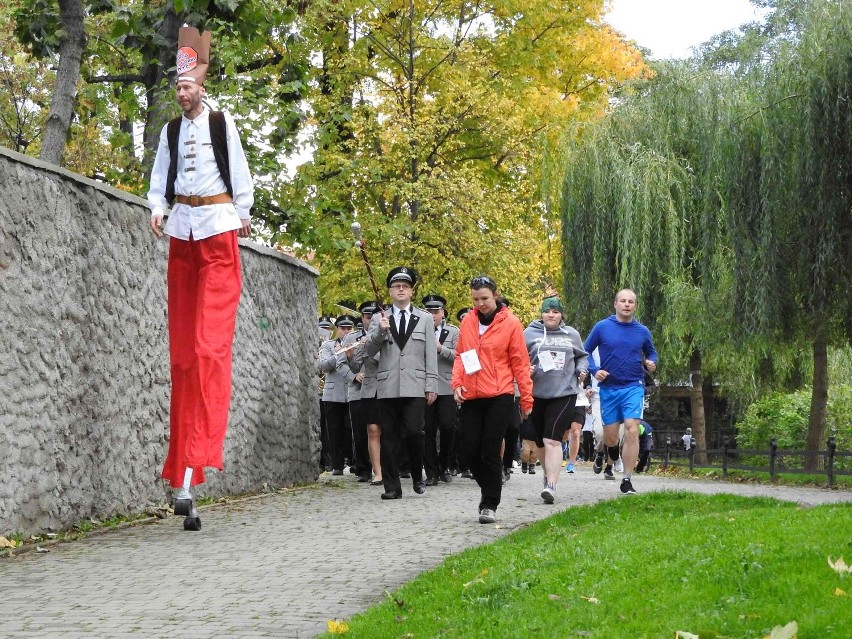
(625, 351)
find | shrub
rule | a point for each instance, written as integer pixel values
(784, 416)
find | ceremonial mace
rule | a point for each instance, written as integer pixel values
(359, 242)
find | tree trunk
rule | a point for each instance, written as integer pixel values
(160, 107)
(65, 88)
(819, 404)
(696, 399)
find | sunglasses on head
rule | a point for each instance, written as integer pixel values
(482, 281)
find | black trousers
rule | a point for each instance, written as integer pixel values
(325, 450)
(361, 460)
(644, 454)
(402, 428)
(587, 448)
(510, 450)
(440, 425)
(337, 423)
(484, 423)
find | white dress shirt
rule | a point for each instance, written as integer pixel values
(396, 312)
(198, 174)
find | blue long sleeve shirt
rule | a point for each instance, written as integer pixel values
(623, 348)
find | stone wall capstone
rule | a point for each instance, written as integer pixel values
(84, 361)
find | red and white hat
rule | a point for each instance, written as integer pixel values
(193, 54)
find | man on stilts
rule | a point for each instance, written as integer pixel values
(201, 172)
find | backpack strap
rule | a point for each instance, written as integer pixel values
(219, 138)
(172, 133)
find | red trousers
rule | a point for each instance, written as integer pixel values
(204, 282)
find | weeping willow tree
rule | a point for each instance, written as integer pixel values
(641, 210)
(788, 186)
(720, 192)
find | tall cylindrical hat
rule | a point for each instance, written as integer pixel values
(193, 54)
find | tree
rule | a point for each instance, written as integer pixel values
(792, 223)
(711, 173)
(129, 59)
(24, 91)
(430, 127)
(72, 43)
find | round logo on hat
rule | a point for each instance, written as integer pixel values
(402, 274)
(187, 60)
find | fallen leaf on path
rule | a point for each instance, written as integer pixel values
(839, 566)
(40, 549)
(784, 632)
(336, 627)
(592, 600)
(7, 543)
(682, 634)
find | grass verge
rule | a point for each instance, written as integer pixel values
(817, 480)
(643, 567)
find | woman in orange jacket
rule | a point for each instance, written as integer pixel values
(491, 355)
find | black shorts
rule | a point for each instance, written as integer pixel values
(579, 415)
(370, 411)
(551, 418)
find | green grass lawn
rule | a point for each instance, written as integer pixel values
(818, 480)
(643, 566)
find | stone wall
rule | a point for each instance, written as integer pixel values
(84, 364)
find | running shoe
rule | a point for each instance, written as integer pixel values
(619, 466)
(608, 472)
(627, 487)
(564, 463)
(487, 516)
(532, 469)
(570, 468)
(548, 494)
(524, 467)
(597, 466)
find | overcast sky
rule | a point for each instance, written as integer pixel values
(670, 27)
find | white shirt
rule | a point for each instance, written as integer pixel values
(396, 312)
(197, 174)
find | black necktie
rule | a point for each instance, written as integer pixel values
(401, 326)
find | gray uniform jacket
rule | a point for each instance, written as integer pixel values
(447, 338)
(361, 363)
(408, 366)
(337, 373)
(355, 387)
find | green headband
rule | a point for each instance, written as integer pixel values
(552, 303)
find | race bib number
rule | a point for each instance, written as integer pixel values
(470, 361)
(545, 361)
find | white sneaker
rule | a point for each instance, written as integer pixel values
(548, 494)
(487, 516)
(619, 466)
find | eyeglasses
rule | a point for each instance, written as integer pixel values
(482, 281)
(400, 285)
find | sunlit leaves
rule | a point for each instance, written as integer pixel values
(431, 125)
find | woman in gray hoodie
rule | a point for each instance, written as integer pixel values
(558, 366)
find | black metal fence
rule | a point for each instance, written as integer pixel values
(727, 458)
